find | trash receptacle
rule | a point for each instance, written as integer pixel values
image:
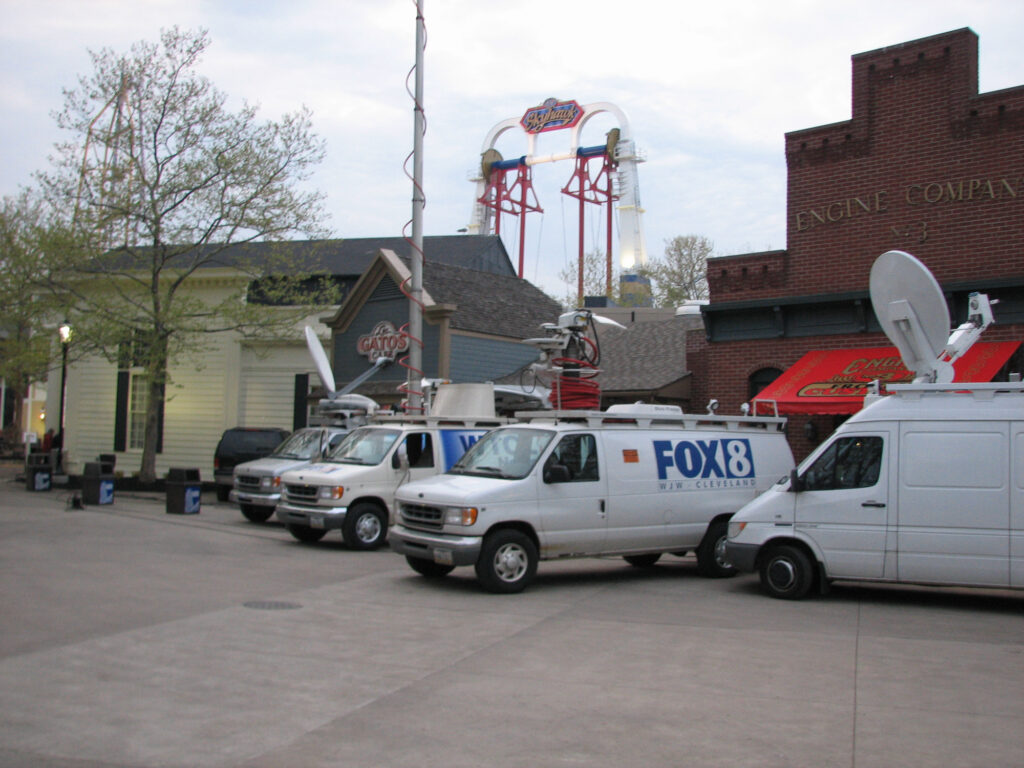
(38, 472)
(184, 489)
(98, 483)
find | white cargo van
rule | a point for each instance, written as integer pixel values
(352, 489)
(636, 481)
(923, 486)
(257, 483)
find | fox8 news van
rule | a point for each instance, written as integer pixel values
(636, 481)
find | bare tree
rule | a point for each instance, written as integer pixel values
(159, 180)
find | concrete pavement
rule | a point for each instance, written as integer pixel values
(129, 637)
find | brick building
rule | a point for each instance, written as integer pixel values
(926, 165)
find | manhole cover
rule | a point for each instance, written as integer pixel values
(271, 605)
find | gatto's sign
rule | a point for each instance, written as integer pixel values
(552, 115)
(383, 341)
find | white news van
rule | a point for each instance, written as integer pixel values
(257, 483)
(636, 481)
(925, 485)
(353, 487)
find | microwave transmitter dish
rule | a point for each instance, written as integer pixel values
(912, 311)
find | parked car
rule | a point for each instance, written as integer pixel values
(257, 488)
(238, 445)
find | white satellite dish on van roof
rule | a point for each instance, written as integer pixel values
(323, 367)
(913, 313)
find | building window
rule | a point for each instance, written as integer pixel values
(137, 402)
(133, 399)
(760, 379)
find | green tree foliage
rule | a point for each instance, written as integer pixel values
(681, 273)
(27, 312)
(160, 183)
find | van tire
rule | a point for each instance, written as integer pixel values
(223, 492)
(256, 514)
(642, 561)
(507, 562)
(305, 534)
(365, 526)
(711, 562)
(787, 572)
(428, 568)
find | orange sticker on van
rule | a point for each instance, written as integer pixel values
(630, 456)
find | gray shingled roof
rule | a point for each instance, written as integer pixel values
(345, 257)
(646, 356)
(490, 303)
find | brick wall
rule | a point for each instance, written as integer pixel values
(925, 165)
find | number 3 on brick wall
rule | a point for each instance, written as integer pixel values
(918, 230)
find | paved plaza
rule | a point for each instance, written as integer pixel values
(134, 638)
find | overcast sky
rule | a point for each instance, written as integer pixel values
(709, 90)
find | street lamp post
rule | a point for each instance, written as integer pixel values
(65, 338)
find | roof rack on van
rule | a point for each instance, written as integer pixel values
(439, 421)
(645, 416)
(984, 390)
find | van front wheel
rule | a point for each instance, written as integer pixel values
(365, 527)
(787, 572)
(711, 561)
(507, 562)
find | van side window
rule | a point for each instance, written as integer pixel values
(850, 462)
(420, 450)
(578, 453)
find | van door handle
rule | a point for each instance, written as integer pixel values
(873, 504)
(602, 508)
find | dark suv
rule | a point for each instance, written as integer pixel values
(239, 445)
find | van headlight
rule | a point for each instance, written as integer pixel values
(331, 492)
(270, 483)
(736, 528)
(460, 515)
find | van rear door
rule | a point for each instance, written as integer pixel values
(843, 504)
(954, 502)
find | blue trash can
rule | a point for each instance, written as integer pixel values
(98, 483)
(184, 491)
(38, 472)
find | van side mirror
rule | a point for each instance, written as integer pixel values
(795, 484)
(400, 459)
(557, 473)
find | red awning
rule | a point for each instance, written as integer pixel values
(835, 381)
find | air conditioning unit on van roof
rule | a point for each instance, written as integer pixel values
(645, 409)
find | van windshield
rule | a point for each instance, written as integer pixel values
(505, 453)
(364, 446)
(303, 444)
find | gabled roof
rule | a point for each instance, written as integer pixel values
(474, 301)
(487, 303)
(339, 257)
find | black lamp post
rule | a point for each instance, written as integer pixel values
(65, 338)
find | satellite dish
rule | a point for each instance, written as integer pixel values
(912, 311)
(607, 321)
(323, 367)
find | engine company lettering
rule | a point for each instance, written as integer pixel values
(383, 341)
(704, 464)
(924, 193)
(552, 115)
